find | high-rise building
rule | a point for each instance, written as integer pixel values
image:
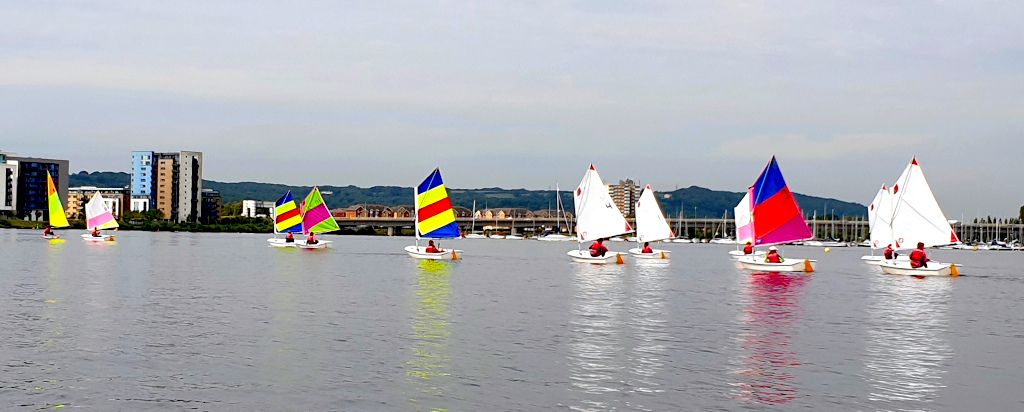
(625, 194)
(25, 192)
(213, 204)
(170, 182)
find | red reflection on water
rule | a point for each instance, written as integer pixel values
(770, 315)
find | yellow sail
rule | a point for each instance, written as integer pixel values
(57, 216)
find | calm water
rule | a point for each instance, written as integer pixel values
(162, 321)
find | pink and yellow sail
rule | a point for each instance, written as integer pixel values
(57, 216)
(316, 217)
(98, 215)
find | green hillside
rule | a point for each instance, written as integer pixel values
(708, 203)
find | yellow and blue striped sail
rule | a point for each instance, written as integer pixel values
(287, 214)
(434, 215)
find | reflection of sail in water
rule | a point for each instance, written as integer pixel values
(648, 323)
(595, 358)
(767, 331)
(906, 350)
(429, 369)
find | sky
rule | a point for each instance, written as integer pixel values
(526, 94)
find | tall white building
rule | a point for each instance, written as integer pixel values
(171, 182)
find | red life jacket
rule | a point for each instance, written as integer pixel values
(432, 249)
(598, 249)
(774, 258)
(748, 250)
(917, 258)
(647, 250)
(888, 253)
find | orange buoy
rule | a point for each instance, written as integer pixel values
(807, 266)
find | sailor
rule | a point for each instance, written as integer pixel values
(431, 248)
(773, 256)
(890, 253)
(919, 259)
(311, 240)
(598, 248)
(647, 248)
(748, 249)
(95, 232)
(48, 231)
(290, 238)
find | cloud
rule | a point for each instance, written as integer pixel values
(797, 146)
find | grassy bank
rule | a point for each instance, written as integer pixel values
(231, 226)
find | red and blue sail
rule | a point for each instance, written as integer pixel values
(288, 216)
(435, 217)
(777, 217)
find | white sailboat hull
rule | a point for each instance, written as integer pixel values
(788, 265)
(320, 244)
(281, 243)
(475, 236)
(420, 252)
(903, 268)
(583, 256)
(51, 236)
(736, 254)
(556, 238)
(655, 254)
(101, 238)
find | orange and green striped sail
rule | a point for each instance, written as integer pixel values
(57, 216)
(316, 217)
(434, 215)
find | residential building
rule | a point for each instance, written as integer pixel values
(213, 204)
(25, 194)
(116, 199)
(171, 182)
(625, 194)
(257, 208)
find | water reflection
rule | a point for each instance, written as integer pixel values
(430, 369)
(596, 351)
(648, 324)
(766, 365)
(906, 351)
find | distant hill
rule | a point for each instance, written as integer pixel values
(708, 203)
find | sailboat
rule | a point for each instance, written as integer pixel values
(472, 231)
(596, 218)
(744, 217)
(316, 219)
(725, 239)
(98, 216)
(287, 219)
(917, 217)
(651, 226)
(435, 218)
(57, 216)
(777, 219)
(879, 224)
(559, 213)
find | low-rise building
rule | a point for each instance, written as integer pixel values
(257, 208)
(213, 205)
(116, 199)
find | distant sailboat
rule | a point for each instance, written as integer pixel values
(472, 229)
(98, 217)
(744, 217)
(557, 236)
(435, 218)
(58, 218)
(316, 219)
(651, 226)
(917, 217)
(777, 219)
(879, 223)
(596, 218)
(287, 219)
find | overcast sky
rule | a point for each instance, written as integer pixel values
(524, 94)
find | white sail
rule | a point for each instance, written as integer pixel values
(97, 214)
(744, 216)
(916, 215)
(650, 221)
(596, 214)
(880, 219)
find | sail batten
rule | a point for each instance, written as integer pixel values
(596, 214)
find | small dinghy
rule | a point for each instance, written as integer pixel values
(775, 219)
(98, 217)
(435, 219)
(651, 226)
(597, 217)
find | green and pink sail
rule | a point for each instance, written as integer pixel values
(776, 215)
(316, 217)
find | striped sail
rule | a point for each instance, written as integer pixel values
(316, 217)
(777, 217)
(97, 215)
(434, 215)
(57, 216)
(287, 215)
